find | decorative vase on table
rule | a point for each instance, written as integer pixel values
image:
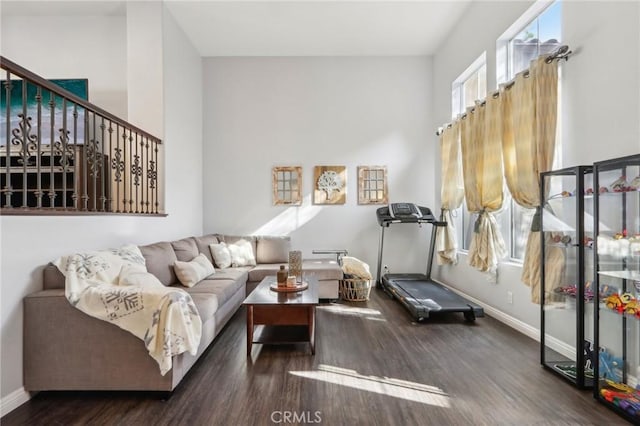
(295, 264)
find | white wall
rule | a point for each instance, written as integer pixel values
(601, 88)
(263, 112)
(28, 41)
(28, 243)
(145, 65)
(600, 108)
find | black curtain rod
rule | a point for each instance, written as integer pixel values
(561, 52)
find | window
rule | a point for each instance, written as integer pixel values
(540, 36)
(470, 86)
(537, 32)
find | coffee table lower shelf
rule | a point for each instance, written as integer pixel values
(281, 334)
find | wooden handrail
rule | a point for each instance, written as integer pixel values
(24, 73)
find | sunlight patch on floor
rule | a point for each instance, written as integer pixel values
(403, 389)
(372, 314)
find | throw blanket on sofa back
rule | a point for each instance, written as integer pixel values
(114, 286)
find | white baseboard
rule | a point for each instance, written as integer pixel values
(524, 328)
(507, 319)
(13, 401)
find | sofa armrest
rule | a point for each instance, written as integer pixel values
(66, 349)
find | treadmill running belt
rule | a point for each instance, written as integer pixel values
(427, 293)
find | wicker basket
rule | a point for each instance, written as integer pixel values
(355, 289)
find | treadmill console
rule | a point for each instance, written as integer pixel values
(404, 213)
(404, 210)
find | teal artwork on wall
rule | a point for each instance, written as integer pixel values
(26, 100)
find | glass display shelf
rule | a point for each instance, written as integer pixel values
(617, 278)
(566, 315)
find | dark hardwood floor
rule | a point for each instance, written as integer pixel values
(373, 366)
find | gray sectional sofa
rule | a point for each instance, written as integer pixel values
(65, 349)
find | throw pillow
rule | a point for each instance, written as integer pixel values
(273, 249)
(221, 255)
(241, 254)
(191, 273)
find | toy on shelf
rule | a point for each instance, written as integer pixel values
(623, 396)
(623, 303)
(572, 291)
(610, 366)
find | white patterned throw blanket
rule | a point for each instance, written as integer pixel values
(114, 286)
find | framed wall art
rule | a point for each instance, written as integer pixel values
(372, 185)
(287, 185)
(329, 185)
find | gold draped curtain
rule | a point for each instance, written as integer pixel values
(528, 144)
(512, 134)
(452, 193)
(481, 144)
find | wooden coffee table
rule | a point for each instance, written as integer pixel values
(281, 318)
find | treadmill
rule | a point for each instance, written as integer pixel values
(420, 295)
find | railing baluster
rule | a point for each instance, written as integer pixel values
(85, 162)
(131, 171)
(147, 171)
(107, 173)
(135, 169)
(25, 132)
(39, 147)
(157, 176)
(8, 190)
(63, 158)
(76, 154)
(125, 171)
(52, 108)
(116, 166)
(94, 174)
(101, 170)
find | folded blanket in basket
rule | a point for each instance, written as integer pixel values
(114, 286)
(355, 267)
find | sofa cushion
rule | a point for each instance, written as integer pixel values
(191, 273)
(273, 249)
(221, 255)
(186, 249)
(263, 270)
(242, 253)
(222, 289)
(231, 239)
(206, 304)
(231, 274)
(159, 258)
(203, 244)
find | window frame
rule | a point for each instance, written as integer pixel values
(504, 74)
(461, 215)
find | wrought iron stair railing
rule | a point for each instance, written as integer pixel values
(60, 154)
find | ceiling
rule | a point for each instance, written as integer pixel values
(290, 28)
